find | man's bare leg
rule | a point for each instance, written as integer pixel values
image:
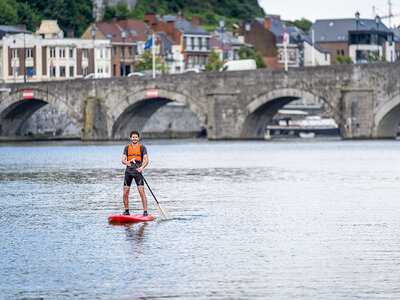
(126, 197)
(143, 196)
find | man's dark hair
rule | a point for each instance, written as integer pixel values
(134, 132)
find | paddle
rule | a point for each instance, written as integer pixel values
(163, 212)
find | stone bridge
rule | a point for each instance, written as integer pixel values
(363, 99)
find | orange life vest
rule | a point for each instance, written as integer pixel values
(134, 153)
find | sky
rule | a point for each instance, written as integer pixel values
(337, 9)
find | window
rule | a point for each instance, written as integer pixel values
(204, 60)
(114, 70)
(184, 42)
(101, 53)
(136, 50)
(62, 71)
(71, 53)
(52, 72)
(326, 56)
(84, 71)
(343, 52)
(192, 41)
(106, 52)
(15, 53)
(291, 56)
(114, 52)
(84, 53)
(29, 53)
(52, 52)
(338, 52)
(200, 43)
(196, 60)
(189, 58)
(122, 52)
(62, 52)
(208, 43)
(71, 71)
(130, 51)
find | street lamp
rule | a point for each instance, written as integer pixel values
(377, 21)
(357, 21)
(123, 35)
(94, 52)
(247, 28)
(24, 60)
(222, 26)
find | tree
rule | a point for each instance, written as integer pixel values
(8, 12)
(303, 24)
(146, 63)
(373, 56)
(214, 63)
(248, 53)
(340, 60)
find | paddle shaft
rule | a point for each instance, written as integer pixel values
(147, 184)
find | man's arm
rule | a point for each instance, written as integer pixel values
(145, 163)
(124, 161)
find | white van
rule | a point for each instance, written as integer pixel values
(239, 65)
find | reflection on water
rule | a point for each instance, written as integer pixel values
(289, 219)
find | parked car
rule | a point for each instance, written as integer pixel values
(239, 65)
(97, 75)
(135, 74)
(192, 70)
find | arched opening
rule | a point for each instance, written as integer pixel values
(289, 114)
(159, 118)
(36, 118)
(388, 119)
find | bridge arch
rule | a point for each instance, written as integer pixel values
(15, 110)
(387, 118)
(136, 109)
(263, 107)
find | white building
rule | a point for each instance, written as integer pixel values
(51, 58)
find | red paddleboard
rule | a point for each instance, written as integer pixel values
(130, 218)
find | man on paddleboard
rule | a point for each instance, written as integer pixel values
(134, 153)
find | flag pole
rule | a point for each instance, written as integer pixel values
(154, 57)
(285, 48)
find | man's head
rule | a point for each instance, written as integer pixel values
(134, 132)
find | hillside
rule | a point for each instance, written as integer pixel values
(78, 14)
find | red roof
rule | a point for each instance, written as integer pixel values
(136, 30)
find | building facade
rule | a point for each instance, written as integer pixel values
(195, 40)
(30, 57)
(358, 39)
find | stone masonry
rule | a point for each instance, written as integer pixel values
(363, 99)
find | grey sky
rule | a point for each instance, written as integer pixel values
(319, 9)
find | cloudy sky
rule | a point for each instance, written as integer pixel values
(323, 9)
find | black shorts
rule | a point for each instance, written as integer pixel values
(129, 177)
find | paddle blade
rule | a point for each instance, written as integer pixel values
(163, 212)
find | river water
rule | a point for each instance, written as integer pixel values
(271, 219)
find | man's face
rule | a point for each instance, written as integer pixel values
(134, 138)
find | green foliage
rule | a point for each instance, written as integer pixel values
(248, 53)
(214, 63)
(209, 12)
(121, 11)
(373, 56)
(260, 61)
(70, 14)
(8, 12)
(340, 60)
(303, 24)
(146, 63)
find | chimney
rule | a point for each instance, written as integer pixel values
(180, 16)
(150, 17)
(21, 26)
(267, 23)
(161, 17)
(195, 21)
(170, 27)
(70, 33)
